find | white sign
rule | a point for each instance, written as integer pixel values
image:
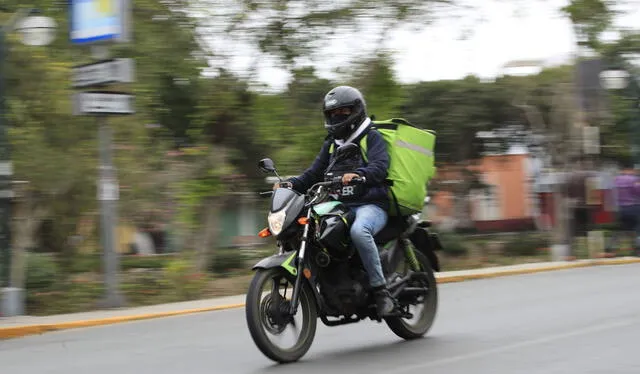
(6, 194)
(6, 168)
(99, 20)
(591, 140)
(102, 103)
(111, 71)
(108, 190)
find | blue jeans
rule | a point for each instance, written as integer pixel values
(370, 219)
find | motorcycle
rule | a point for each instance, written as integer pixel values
(318, 272)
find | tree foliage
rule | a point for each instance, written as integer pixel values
(293, 31)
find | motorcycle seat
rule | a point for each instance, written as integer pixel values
(394, 228)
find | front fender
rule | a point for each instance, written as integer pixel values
(285, 260)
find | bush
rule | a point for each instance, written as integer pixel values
(526, 245)
(84, 263)
(92, 263)
(42, 271)
(148, 287)
(184, 281)
(453, 245)
(225, 260)
(146, 262)
(69, 297)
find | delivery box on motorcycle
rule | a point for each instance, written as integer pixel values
(411, 163)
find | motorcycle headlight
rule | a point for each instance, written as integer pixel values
(276, 221)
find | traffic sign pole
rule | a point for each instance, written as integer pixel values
(95, 28)
(108, 211)
(5, 180)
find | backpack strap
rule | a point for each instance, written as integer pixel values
(362, 144)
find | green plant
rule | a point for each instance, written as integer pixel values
(148, 287)
(526, 245)
(453, 245)
(146, 262)
(84, 263)
(185, 282)
(42, 271)
(72, 296)
(226, 260)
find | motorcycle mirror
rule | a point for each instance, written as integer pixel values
(267, 165)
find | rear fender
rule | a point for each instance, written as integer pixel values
(427, 243)
(285, 260)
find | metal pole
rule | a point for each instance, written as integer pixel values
(107, 194)
(6, 172)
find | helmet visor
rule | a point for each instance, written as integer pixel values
(338, 115)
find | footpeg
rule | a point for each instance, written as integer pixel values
(406, 315)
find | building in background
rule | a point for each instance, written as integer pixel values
(499, 199)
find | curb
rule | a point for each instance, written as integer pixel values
(20, 331)
(503, 273)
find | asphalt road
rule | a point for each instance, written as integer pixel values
(571, 321)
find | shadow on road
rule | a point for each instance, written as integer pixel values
(351, 358)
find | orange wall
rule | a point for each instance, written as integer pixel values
(506, 172)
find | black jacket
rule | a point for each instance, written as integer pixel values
(375, 170)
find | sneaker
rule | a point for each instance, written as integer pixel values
(385, 304)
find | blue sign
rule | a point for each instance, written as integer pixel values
(96, 20)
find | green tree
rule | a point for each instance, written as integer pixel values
(293, 31)
(56, 153)
(590, 19)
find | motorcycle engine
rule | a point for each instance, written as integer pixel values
(342, 290)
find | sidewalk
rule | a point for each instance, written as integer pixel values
(13, 327)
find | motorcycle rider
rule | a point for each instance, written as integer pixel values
(346, 121)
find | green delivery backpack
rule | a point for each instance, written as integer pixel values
(411, 164)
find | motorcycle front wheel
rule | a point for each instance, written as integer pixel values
(268, 320)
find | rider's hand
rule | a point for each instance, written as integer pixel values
(282, 184)
(348, 177)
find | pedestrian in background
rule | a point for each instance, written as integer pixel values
(627, 186)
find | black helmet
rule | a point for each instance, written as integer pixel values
(341, 126)
(333, 234)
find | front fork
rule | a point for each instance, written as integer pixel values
(298, 285)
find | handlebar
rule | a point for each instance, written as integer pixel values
(334, 182)
(338, 181)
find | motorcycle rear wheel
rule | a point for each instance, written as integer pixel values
(404, 328)
(261, 320)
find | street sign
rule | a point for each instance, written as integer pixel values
(119, 70)
(100, 20)
(6, 168)
(108, 190)
(87, 103)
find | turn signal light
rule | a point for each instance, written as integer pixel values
(264, 233)
(303, 220)
(307, 273)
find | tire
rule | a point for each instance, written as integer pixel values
(256, 324)
(408, 331)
